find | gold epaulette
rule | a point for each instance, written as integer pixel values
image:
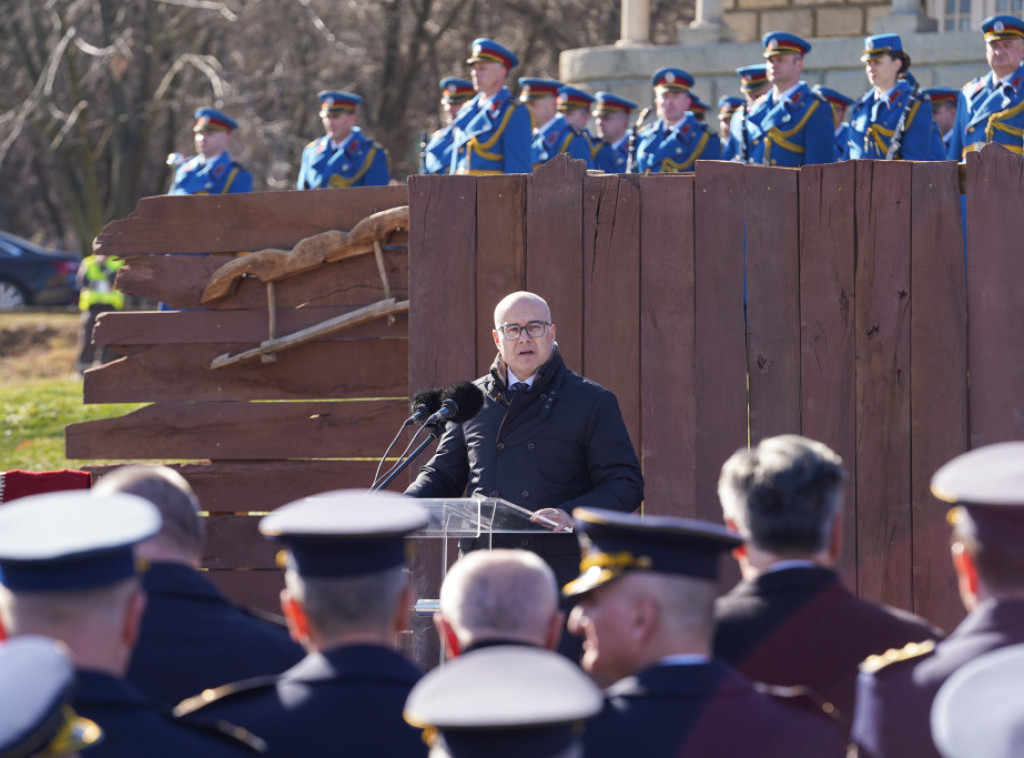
(875, 663)
(194, 703)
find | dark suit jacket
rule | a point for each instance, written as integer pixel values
(192, 638)
(894, 703)
(347, 701)
(135, 726)
(704, 710)
(800, 626)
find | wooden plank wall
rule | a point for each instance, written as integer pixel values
(721, 307)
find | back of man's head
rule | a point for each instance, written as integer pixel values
(182, 536)
(507, 595)
(783, 495)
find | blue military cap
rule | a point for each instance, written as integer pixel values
(532, 88)
(571, 97)
(698, 107)
(727, 105)
(936, 95)
(454, 90)
(752, 77)
(333, 101)
(37, 680)
(213, 120)
(615, 543)
(878, 45)
(1002, 27)
(606, 102)
(73, 540)
(978, 711)
(503, 702)
(834, 96)
(784, 42)
(345, 532)
(672, 78)
(487, 50)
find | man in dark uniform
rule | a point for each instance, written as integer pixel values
(611, 116)
(677, 140)
(645, 595)
(344, 156)
(347, 597)
(895, 690)
(790, 621)
(437, 153)
(211, 171)
(69, 574)
(191, 637)
(552, 132)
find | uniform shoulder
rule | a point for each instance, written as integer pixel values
(909, 652)
(312, 143)
(802, 698)
(217, 694)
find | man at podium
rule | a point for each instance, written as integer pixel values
(547, 439)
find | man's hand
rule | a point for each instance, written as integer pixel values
(561, 521)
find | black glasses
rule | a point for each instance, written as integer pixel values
(534, 329)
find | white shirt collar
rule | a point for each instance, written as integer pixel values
(791, 564)
(513, 379)
(341, 145)
(684, 659)
(784, 96)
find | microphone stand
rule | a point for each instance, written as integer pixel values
(403, 464)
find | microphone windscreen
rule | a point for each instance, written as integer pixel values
(468, 398)
(428, 397)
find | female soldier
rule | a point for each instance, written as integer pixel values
(891, 122)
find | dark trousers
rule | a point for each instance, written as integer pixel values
(86, 348)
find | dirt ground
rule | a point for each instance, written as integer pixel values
(37, 345)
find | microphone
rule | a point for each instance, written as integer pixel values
(423, 404)
(461, 402)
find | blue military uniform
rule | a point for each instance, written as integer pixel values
(727, 107)
(753, 78)
(221, 175)
(875, 118)
(673, 148)
(937, 96)
(492, 135)
(557, 135)
(698, 107)
(437, 155)
(612, 158)
(796, 129)
(839, 103)
(990, 110)
(573, 100)
(358, 162)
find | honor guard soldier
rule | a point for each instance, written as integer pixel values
(989, 108)
(645, 596)
(611, 116)
(943, 100)
(789, 125)
(839, 103)
(211, 171)
(347, 596)
(753, 83)
(896, 690)
(69, 573)
(698, 108)
(727, 106)
(676, 140)
(344, 156)
(504, 701)
(437, 155)
(575, 105)
(552, 133)
(891, 121)
(492, 131)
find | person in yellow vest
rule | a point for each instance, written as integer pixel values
(96, 279)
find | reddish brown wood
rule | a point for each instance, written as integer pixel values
(772, 223)
(995, 298)
(500, 252)
(884, 538)
(230, 223)
(554, 249)
(721, 375)
(241, 431)
(342, 368)
(938, 374)
(827, 369)
(667, 381)
(611, 274)
(234, 541)
(252, 589)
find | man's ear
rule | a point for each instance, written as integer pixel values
(966, 574)
(134, 610)
(447, 635)
(739, 552)
(295, 615)
(497, 338)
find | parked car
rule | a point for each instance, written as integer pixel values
(32, 275)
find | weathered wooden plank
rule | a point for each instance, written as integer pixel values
(720, 377)
(884, 538)
(259, 589)
(611, 274)
(241, 431)
(667, 368)
(827, 369)
(178, 282)
(500, 252)
(233, 541)
(995, 297)
(938, 378)
(243, 222)
(242, 327)
(337, 368)
(554, 249)
(773, 300)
